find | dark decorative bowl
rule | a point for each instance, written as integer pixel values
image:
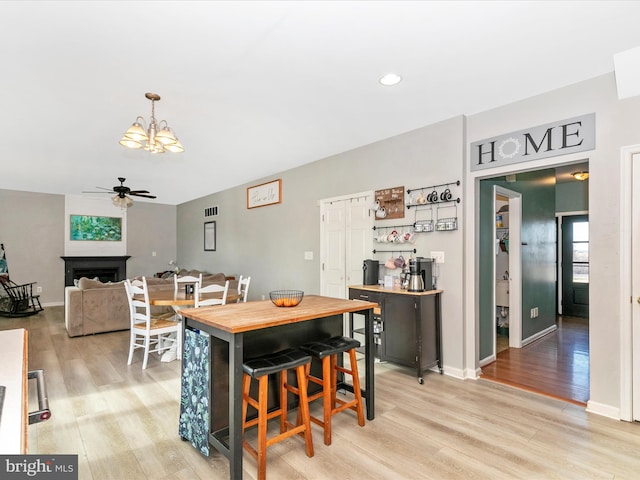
(286, 298)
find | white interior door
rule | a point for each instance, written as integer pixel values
(346, 240)
(635, 285)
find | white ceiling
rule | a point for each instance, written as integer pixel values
(255, 88)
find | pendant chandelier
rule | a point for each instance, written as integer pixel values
(157, 138)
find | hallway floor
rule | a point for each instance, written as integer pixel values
(556, 365)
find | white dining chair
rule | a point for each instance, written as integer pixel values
(149, 333)
(186, 280)
(213, 288)
(243, 288)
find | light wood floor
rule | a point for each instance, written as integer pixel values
(122, 422)
(556, 364)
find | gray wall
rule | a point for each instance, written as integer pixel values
(268, 243)
(617, 125)
(32, 230)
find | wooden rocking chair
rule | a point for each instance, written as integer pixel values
(19, 300)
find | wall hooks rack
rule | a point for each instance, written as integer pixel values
(393, 226)
(457, 183)
(455, 200)
(396, 251)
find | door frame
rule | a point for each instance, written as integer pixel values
(559, 218)
(515, 266)
(629, 401)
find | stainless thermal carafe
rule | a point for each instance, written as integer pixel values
(416, 284)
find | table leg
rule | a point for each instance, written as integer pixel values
(236, 346)
(369, 355)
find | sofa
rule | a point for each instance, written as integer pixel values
(92, 306)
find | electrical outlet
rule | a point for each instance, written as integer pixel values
(532, 313)
(536, 309)
(438, 257)
(153, 254)
(38, 289)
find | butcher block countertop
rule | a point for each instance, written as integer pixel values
(398, 290)
(247, 316)
(13, 376)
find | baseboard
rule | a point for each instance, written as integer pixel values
(603, 409)
(538, 335)
(487, 360)
(53, 304)
(453, 372)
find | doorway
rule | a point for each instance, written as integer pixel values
(507, 268)
(539, 338)
(574, 266)
(345, 242)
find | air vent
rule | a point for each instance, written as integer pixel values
(211, 211)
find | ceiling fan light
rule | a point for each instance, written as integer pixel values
(136, 132)
(122, 202)
(130, 143)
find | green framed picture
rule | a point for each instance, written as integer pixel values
(95, 229)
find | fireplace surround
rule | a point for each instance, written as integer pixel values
(107, 269)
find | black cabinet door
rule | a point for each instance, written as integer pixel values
(400, 336)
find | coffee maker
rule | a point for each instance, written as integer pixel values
(425, 267)
(415, 284)
(370, 271)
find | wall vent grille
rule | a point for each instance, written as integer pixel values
(211, 211)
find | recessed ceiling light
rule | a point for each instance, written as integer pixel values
(390, 79)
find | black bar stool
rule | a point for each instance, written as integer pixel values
(260, 368)
(327, 352)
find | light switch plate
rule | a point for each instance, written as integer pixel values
(438, 257)
(308, 255)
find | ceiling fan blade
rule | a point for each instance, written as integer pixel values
(103, 188)
(135, 192)
(142, 195)
(97, 192)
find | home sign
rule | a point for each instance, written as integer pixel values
(558, 138)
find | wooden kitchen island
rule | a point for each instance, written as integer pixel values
(233, 332)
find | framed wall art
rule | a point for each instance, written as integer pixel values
(264, 194)
(210, 236)
(95, 228)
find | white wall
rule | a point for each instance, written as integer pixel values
(617, 125)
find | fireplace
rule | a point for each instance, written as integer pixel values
(107, 269)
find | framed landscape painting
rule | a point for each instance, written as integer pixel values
(95, 228)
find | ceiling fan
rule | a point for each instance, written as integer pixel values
(123, 193)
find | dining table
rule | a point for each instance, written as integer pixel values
(178, 300)
(235, 332)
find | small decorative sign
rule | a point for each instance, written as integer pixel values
(389, 203)
(264, 194)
